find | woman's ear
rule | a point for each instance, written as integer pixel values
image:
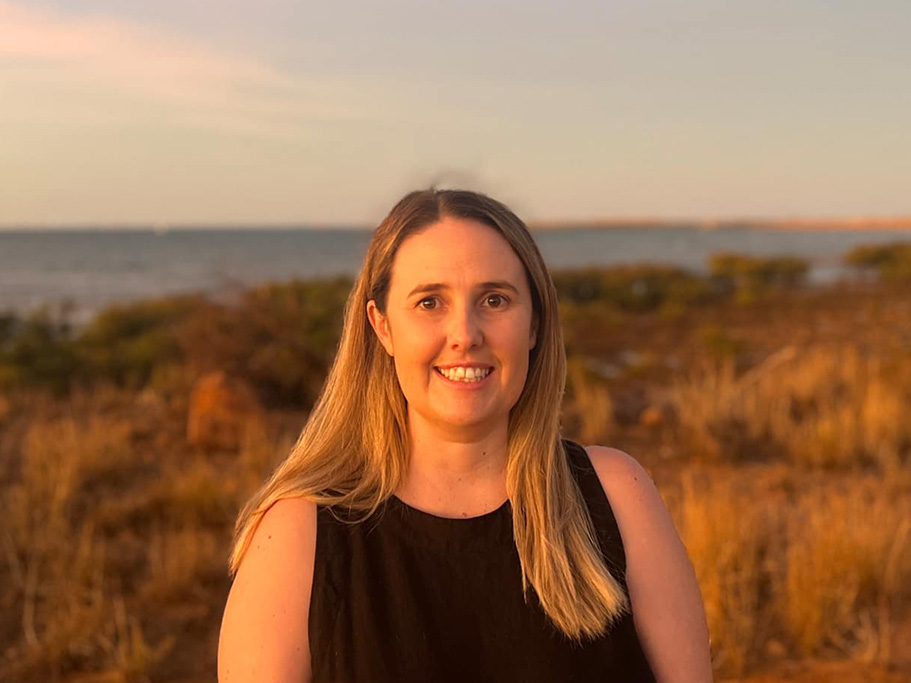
(380, 325)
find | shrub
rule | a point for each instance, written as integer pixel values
(889, 261)
(280, 337)
(751, 275)
(125, 343)
(37, 351)
(634, 288)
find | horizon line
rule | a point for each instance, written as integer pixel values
(888, 222)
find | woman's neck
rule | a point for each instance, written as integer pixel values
(455, 474)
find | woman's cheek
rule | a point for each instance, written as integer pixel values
(420, 342)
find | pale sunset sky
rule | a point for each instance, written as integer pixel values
(185, 112)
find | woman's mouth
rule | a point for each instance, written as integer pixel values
(464, 375)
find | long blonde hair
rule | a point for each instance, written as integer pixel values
(352, 453)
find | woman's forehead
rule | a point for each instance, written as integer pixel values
(456, 253)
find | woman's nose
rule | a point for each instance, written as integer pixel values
(464, 328)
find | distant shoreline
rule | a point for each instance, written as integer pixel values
(859, 224)
(855, 224)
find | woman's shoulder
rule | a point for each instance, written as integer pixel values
(288, 527)
(670, 618)
(264, 631)
(637, 505)
(606, 459)
(616, 467)
(609, 468)
(633, 496)
(286, 533)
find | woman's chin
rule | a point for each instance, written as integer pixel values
(469, 420)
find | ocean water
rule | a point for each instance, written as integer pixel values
(93, 268)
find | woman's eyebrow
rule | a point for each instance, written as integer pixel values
(438, 286)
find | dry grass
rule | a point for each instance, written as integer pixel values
(819, 407)
(812, 571)
(260, 453)
(846, 564)
(795, 567)
(100, 541)
(177, 558)
(588, 410)
(729, 543)
(197, 494)
(6, 408)
(58, 597)
(55, 571)
(132, 658)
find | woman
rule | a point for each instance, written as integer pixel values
(430, 524)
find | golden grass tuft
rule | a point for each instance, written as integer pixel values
(846, 564)
(197, 494)
(177, 558)
(729, 541)
(55, 569)
(57, 457)
(816, 570)
(820, 407)
(131, 657)
(587, 408)
(260, 453)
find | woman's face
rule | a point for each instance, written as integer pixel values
(458, 299)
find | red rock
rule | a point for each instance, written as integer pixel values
(221, 411)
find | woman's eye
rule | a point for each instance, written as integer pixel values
(492, 300)
(498, 300)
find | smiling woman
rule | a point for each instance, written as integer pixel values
(431, 524)
(478, 321)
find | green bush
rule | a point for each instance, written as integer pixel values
(752, 275)
(891, 261)
(280, 337)
(37, 351)
(299, 326)
(634, 288)
(126, 342)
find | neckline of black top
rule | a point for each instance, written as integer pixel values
(445, 521)
(447, 533)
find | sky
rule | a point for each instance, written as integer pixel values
(205, 112)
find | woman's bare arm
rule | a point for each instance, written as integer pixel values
(264, 634)
(667, 604)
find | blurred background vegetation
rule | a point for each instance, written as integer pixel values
(773, 415)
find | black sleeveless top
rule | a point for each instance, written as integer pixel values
(409, 597)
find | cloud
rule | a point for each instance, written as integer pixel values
(92, 61)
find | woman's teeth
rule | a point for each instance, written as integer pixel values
(459, 374)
